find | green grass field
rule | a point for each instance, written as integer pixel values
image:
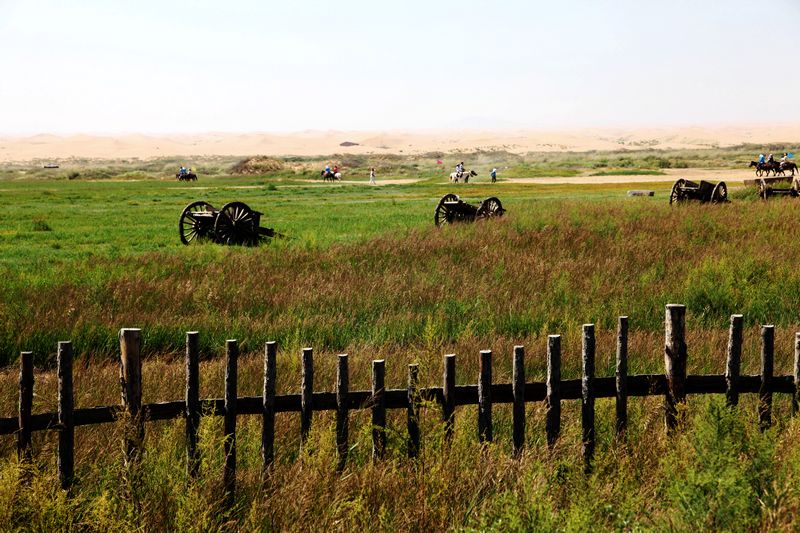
(366, 272)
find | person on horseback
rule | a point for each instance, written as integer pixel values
(785, 158)
(762, 159)
(183, 171)
(335, 169)
(459, 169)
(770, 159)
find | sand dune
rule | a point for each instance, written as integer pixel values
(311, 143)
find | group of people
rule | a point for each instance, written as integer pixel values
(184, 171)
(762, 159)
(335, 170)
(460, 172)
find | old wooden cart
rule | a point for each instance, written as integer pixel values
(235, 223)
(705, 191)
(766, 188)
(452, 209)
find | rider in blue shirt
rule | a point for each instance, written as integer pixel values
(762, 159)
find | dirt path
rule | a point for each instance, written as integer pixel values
(670, 175)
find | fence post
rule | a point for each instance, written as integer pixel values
(342, 389)
(24, 453)
(553, 421)
(733, 364)
(378, 408)
(192, 402)
(587, 396)
(622, 376)
(130, 377)
(306, 394)
(764, 392)
(231, 374)
(796, 395)
(485, 397)
(413, 411)
(449, 395)
(66, 423)
(518, 390)
(268, 405)
(674, 362)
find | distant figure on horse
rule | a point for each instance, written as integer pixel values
(785, 165)
(460, 173)
(331, 175)
(185, 174)
(764, 165)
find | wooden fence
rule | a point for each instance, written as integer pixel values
(674, 385)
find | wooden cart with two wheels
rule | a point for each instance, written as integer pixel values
(704, 192)
(234, 224)
(453, 209)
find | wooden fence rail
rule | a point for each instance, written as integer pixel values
(673, 385)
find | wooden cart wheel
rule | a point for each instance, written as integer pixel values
(677, 195)
(236, 224)
(190, 228)
(720, 193)
(491, 207)
(763, 190)
(443, 212)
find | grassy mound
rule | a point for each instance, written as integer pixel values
(257, 165)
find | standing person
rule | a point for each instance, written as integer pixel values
(372, 176)
(493, 174)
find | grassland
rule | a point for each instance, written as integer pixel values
(365, 272)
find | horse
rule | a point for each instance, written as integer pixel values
(455, 176)
(330, 176)
(189, 176)
(765, 168)
(786, 165)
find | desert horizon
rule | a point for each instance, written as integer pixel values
(326, 142)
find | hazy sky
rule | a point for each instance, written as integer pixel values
(161, 66)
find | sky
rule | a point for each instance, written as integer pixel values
(151, 67)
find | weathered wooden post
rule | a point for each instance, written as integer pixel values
(306, 393)
(130, 378)
(796, 395)
(378, 409)
(268, 404)
(587, 396)
(518, 390)
(485, 397)
(764, 391)
(674, 362)
(413, 411)
(733, 362)
(553, 420)
(24, 453)
(192, 402)
(66, 422)
(231, 391)
(449, 395)
(342, 390)
(621, 376)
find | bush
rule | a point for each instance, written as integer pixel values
(257, 165)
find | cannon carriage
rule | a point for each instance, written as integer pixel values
(234, 224)
(767, 188)
(452, 209)
(704, 192)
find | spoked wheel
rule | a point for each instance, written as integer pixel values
(192, 226)
(677, 194)
(491, 207)
(443, 212)
(236, 224)
(720, 193)
(763, 190)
